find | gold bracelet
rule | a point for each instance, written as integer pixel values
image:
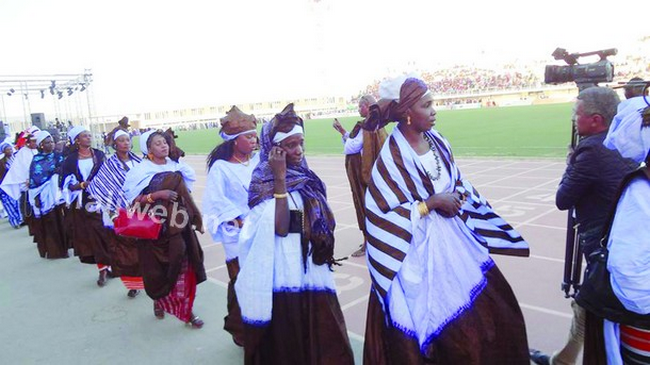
(280, 196)
(83, 185)
(149, 199)
(423, 209)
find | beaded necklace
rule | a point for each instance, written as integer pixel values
(433, 148)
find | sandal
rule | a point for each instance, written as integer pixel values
(360, 252)
(195, 322)
(132, 293)
(102, 278)
(157, 311)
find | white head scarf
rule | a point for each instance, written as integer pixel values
(120, 133)
(75, 131)
(390, 88)
(281, 136)
(626, 133)
(4, 145)
(143, 141)
(230, 137)
(41, 135)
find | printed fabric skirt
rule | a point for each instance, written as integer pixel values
(12, 208)
(180, 300)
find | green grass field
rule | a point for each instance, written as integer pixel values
(522, 131)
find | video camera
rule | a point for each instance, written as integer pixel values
(590, 73)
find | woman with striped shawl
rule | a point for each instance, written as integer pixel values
(106, 188)
(45, 198)
(285, 287)
(10, 205)
(437, 296)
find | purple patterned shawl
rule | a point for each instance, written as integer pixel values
(319, 220)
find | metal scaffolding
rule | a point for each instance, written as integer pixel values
(64, 91)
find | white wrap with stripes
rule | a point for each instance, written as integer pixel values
(427, 271)
(106, 186)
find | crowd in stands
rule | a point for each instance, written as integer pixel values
(460, 80)
(464, 80)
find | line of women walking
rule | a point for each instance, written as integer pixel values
(437, 296)
(74, 196)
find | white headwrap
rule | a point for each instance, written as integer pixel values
(33, 129)
(281, 136)
(390, 88)
(120, 133)
(75, 131)
(626, 134)
(143, 141)
(4, 145)
(41, 135)
(230, 137)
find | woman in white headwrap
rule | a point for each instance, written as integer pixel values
(106, 188)
(86, 230)
(225, 203)
(285, 288)
(437, 295)
(46, 200)
(10, 205)
(172, 265)
(628, 243)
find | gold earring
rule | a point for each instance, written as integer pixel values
(408, 120)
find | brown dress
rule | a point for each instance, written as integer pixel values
(307, 328)
(85, 227)
(49, 234)
(359, 168)
(176, 254)
(492, 331)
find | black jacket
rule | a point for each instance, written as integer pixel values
(71, 165)
(591, 180)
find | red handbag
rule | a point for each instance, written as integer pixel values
(135, 224)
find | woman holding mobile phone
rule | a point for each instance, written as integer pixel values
(285, 287)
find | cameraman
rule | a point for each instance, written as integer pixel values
(589, 186)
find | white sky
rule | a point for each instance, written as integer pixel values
(161, 54)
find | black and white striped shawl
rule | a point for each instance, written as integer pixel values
(106, 186)
(398, 183)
